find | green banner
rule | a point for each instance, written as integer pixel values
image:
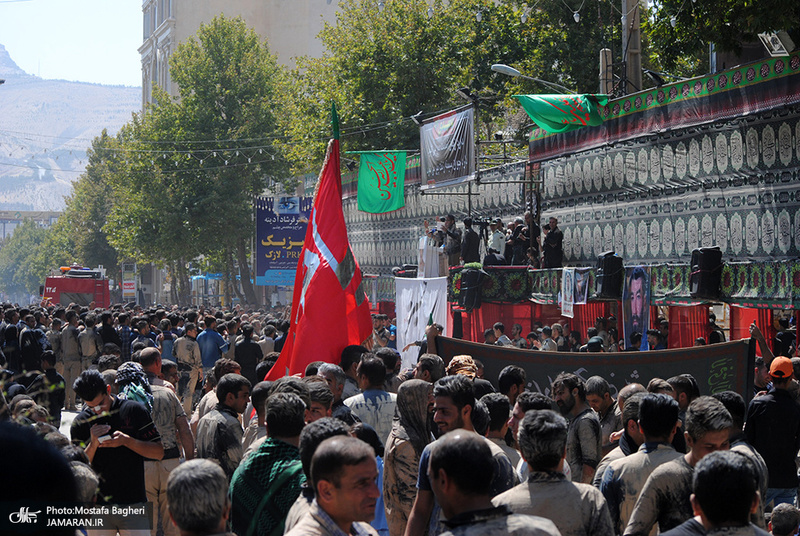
(562, 113)
(381, 181)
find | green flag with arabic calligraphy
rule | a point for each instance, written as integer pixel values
(381, 181)
(562, 113)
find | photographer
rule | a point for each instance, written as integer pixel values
(447, 236)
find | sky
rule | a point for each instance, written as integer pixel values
(78, 40)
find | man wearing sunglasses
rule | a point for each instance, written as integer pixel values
(117, 435)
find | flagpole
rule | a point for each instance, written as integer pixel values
(334, 121)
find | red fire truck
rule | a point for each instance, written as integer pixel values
(77, 284)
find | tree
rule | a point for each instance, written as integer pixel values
(190, 166)
(88, 207)
(22, 269)
(384, 65)
(230, 87)
(726, 23)
(153, 218)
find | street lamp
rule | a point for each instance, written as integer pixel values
(510, 71)
(658, 78)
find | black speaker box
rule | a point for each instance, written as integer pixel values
(471, 284)
(609, 276)
(706, 275)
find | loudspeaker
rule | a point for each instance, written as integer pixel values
(471, 284)
(706, 275)
(609, 276)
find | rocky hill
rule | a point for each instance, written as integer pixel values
(46, 127)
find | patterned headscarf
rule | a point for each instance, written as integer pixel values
(133, 384)
(411, 418)
(463, 364)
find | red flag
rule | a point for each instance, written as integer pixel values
(330, 309)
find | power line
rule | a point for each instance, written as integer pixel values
(162, 170)
(347, 130)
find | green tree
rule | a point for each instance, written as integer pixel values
(22, 267)
(386, 64)
(683, 47)
(230, 89)
(151, 219)
(192, 164)
(87, 209)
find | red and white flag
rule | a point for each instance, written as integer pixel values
(330, 309)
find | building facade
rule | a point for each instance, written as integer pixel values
(289, 26)
(11, 219)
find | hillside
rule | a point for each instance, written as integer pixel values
(46, 127)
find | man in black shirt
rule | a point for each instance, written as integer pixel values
(248, 354)
(49, 388)
(772, 426)
(107, 332)
(117, 435)
(452, 240)
(470, 245)
(534, 236)
(553, 245)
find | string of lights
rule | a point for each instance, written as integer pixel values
(526, 11)
(225, 154)
(344, 128)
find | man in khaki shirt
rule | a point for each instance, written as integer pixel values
(576, 509)
(171, 423)
(625, 478)
(187, 352)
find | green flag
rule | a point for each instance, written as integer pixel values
(381, 181)
(562, 113)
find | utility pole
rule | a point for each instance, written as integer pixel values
(606, 72)
(631, 47)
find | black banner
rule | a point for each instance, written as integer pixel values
(447, 144)
(719, 367)
(712, 161)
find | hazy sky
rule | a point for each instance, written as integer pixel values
(82, 40)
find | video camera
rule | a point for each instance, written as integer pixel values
(483, 223)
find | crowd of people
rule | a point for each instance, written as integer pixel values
(171, 409)
(520, 242)
(604, 336)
